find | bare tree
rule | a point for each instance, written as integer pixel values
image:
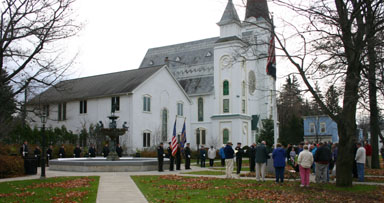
(30, 32)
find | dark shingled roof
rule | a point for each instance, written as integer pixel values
(198, 86)
(95, 86)
(257, 8)
(229, 15)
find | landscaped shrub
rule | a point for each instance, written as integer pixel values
(11, 166)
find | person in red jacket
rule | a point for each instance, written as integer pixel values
(368, 153)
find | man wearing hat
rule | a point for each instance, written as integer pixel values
(187, 153)
(171, 158)
(160, 156)
(239, 157)
(228, 151)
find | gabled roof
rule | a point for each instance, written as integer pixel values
(229, 15)
(96, 86)
(257, 9)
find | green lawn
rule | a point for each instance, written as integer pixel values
(209, 172)
(61, 189)
(172, 188)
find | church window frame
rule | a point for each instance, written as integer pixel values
(200, 109)
(201, 136)
(225, 105)
(83, 106)
(225, 135)
(147, 103)
(146, 138)
(225, 88)
(115, 103)
(62, 111)
(164, 124)
(180, 108)
(251, 82)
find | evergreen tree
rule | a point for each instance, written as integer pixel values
(267, 133)
(332, 100)
(7, 104)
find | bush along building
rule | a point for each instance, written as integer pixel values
(220, 87)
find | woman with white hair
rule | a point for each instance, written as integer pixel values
(305, 162)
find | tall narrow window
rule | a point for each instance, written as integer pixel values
(200, 136)
(164, 125)
(46, 110)
(225, 105)
(312, 127)
(83, 106)
(226, 87)
(146, 103)
(203, 137)
(225, 136)
(322, 128)
(243, 106)
(146, 139)
(180, 110)
(115, 104)
(243, 89)
(62, 112)
(200, 109)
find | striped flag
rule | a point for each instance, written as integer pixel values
(174, 140)
(271, 63)
(183, 136)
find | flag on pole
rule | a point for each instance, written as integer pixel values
(271, 62)
(183, 136)
(174, 140)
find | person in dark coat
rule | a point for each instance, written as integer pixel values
(62, 152)
(322, 158)
(171, 158)
(105, 150)
(37, 154)
(239, 157)
(119, 150)
(229, 154)
(178, 156)
(49, 153)
(160, 156)
(203, 155)
(77, 152)
(252, 157)
(92, 151)
(24, 149)
(261, 160)
(187, 153)
(279, 156)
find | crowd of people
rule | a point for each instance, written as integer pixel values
(305, 158)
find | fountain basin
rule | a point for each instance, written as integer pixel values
(100, 164)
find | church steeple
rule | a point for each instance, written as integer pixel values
(230, 15)
(257, 8)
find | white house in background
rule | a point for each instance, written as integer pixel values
(225, 79)
(147, 99)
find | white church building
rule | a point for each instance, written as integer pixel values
(219, 86)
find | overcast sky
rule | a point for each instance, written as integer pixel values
(117, 33)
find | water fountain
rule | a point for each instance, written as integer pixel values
(112, 163)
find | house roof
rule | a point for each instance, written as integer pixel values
(257, 8)
(95, 86)
(229, 15)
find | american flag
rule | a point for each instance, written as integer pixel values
(174, 140)
(271, 63)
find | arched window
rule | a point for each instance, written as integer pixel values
(164, 125)
(225, 136)
(200, 109)
(225, 87)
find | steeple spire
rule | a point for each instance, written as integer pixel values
(257, 8)
(230, 15)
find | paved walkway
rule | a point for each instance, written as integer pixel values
(119, 187)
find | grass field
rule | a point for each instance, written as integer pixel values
(61, 189)
(172, 188)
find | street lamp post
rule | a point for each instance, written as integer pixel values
(43, 121)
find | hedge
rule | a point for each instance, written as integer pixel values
(11, 166)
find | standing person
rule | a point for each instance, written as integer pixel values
(24, 149)
(187, 153)
(313, 151)
(203, 155)
(119, 150)
(211, 156)
(62, 151)
(261, 160)
(382, 152)
(322, 158)
(77, 152)
(334, 151)
(178, 156)
(222, 155)
(105, 150)
(229, 154)
(360, 161)
(292, 155)
(239, 157)
(305, 162)
(368, 154)
(37, 154)
(171, 158)
(278, 156)
(49, 154)
(160, 157)
(92, 151)
(252, 157)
